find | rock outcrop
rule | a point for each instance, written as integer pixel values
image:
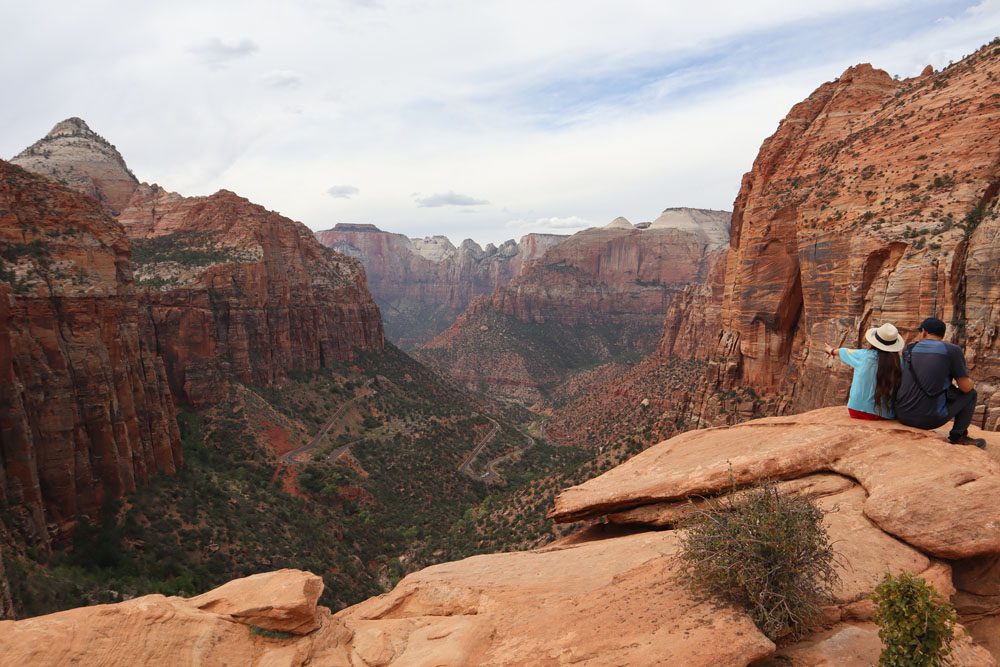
(85, 409)
(74, 155)
(228, 290)
(422, 285)
(267, 619)
(602, 291)
(232, 291)
(875, 200)
(895, 499)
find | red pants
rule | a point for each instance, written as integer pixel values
(858, 414)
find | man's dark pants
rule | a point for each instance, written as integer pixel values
(960, 408)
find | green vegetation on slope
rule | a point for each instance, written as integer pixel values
(384, 508)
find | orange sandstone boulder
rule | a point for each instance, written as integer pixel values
(284, 601)
(212, 629)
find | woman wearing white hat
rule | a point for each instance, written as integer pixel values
(876, 373)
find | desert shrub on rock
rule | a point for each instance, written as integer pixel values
(764, 552)
(915, 625)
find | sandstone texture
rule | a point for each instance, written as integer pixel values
(875, 201)
(600, 293)
(422, 285)
(937, 497)
(232, 291)
(227, 289)
(158, 630)
(74, 155)
(609, 594)
(85, 409)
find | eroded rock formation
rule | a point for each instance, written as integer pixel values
(234, 291)
(422, 285)
(895, 498)
(85, 409)
(228, 290)
(875, 200)
(602, 291)
(74, 155)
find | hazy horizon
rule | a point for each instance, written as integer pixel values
(470, 120)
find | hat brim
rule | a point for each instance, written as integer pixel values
(897, 346)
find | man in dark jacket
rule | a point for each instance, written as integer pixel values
(927, 398)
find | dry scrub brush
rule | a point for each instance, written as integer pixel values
(764, 552)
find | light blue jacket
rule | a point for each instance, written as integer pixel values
(865, 365)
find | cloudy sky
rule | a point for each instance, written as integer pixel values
(470, 118)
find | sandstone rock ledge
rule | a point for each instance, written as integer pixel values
(897, 499)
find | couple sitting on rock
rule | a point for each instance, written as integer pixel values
(919, 392)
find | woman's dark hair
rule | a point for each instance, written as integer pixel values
(887, 380)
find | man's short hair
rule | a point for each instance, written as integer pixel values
(933, 326)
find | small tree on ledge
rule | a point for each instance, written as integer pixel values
(915, 625)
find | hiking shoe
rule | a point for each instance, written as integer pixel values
(966, 440)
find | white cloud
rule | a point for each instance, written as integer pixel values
(282, 79)
(628, 108)
(216, 52)
(342, 191)
(448, 199)
(554, 225)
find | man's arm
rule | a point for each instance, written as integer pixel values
(959, 370)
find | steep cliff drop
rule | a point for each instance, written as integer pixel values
(597, 296)
(610, 593)
(875, 200)
(233, 291)
(227, 289)
(85, 410)
(422, 285)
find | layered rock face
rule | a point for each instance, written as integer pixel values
(602, 291)
(234, 291)
(875, 201)
(228, 290)
(74, 155)
(422, 285)
(85, 409)
(895, 499)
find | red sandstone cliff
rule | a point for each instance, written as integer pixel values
(422, 285)
(600, 293)
(875, 200)
(228, 290)
(85, 411)
(233, 291)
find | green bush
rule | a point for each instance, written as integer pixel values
(915, 625)
(764, 552)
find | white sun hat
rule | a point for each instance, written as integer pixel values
(885, 337)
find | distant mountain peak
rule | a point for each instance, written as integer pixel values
(72, 126)
(74, 155)
(618, 223)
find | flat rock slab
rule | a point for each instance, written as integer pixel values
(606, 602)
(940, 498)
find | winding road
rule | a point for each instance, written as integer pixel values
(470, 458)
(491, 473)
(291, 457)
